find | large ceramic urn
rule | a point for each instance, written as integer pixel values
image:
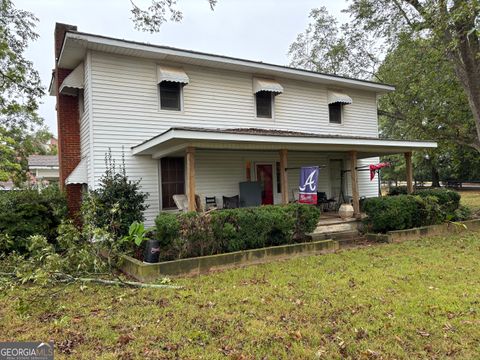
(345, 211)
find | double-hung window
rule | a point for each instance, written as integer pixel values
(170, 84)
(336, 103)
(170, 95)
(264, 102)
(265, 91)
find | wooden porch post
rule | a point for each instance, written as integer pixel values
(283, 176)
(355, 196)
(191, 178)
(409, 168)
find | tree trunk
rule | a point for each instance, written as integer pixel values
(466, 60)
(435, 177)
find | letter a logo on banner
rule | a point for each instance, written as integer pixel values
(308, 185)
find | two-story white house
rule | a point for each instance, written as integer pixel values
(196, 123)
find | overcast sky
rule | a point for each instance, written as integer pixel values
(251, 29)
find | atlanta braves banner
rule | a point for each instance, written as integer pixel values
(308, 185)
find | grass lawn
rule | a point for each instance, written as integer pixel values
(419, 299)
(471, 199)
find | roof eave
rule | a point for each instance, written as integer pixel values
(171, 134)
(248, 65)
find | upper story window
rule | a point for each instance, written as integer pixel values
(265, 91)
(335, 113)
(264, 101)
(170, 83)
(170, 95)
(336, 102)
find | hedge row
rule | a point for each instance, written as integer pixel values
(449, 200)
(28, 212)
(424, 207)
(191, 234)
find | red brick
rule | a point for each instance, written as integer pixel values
(68, 123)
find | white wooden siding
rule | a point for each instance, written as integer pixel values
(219, 172)
(85, 120)
(125, 112)
(366, 187)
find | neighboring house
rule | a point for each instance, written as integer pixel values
(43, 169)
(7, 185)
(190, 122)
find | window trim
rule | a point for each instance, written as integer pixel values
(341, 116)
(181, 110)
(272, 105)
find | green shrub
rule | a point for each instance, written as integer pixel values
(403, 212)
(430, 211)
(192, 234)
(116, 203)
(462, 213)
(306, 219)
(391, 213)
(168, 228)
(449, 200)
(397, 190)
(24, 213)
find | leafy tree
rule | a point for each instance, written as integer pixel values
(20, 89)
(428, 104)
(158, 13)
(326, 46)
(452, 26)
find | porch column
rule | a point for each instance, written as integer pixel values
(191, 178)
(409, 169)
(283, 176)
(355, 196)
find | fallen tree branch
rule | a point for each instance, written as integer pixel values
(123, 283)
(66, 278)
(69, 279)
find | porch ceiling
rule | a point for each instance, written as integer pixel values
(178, 138)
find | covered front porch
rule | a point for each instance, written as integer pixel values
(214, 164)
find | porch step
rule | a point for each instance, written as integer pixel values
(334, 227)
(336, 235)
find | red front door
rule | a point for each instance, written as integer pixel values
(265, 176)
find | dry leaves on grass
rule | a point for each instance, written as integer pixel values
(68, 345)
(423, 333)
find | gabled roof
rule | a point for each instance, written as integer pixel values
(76, 43)
(42, 161)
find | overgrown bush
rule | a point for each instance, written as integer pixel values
(192, 234)
(449, 200)
(462, 213)
(168, 228)
(427, 207)
(116, 203)
(397, 190)
(72, 255)
(24, 213)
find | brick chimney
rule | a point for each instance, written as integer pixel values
(68, 123)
